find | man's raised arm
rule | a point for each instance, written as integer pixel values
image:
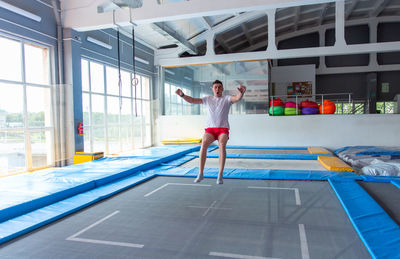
(188, 98)
(238, 97)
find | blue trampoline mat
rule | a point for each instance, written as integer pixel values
(55, 193)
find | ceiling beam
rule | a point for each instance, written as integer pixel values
(82, 15)
(350, 10)
(378, 8)
(286, 53)
(296, 17)
(174, 36)
(221, 42)
(323, 13)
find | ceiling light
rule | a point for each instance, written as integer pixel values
(20, 11)
(98, 42)
(142, 60)
(169, 72)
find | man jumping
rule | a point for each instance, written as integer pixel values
(217, 123)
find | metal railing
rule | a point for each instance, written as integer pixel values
(317, 97)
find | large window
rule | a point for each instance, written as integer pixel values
(173, 104)
(385, 107)
(115, 118)
(196, 81)
(26, 126)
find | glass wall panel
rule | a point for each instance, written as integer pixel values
(137, 126)
(126, 138)
(86, 109)
(97, 109)
(11, 106)
(137, 90)
(147, 136)
(99, 140)
(118, 113)
(196, 81)
(112, 81)
(145, 88)
(126, 84)
(12, 152)
(85, 75)
(36, 64)
(113, 139)
(10, 62)
(146, 111)
(41, 148)
(96, 77)
(112, 110)
(126, 111)
(38, 104)
(86, 139)
(29, 100)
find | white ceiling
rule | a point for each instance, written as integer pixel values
(245, 31)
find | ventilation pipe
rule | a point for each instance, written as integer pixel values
(59, 134)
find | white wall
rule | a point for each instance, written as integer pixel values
(285, 75)
(330, 131)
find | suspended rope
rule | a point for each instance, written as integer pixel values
(135, 81)
(119, 73)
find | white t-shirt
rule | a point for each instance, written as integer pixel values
(217, 111)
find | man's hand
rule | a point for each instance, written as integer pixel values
(179, 92)
(239, 96)
(242, 89)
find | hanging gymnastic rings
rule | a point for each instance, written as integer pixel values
(135, 81)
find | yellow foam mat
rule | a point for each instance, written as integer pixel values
(318, 151)
(82, 157)
(181, 141)
(334, 164)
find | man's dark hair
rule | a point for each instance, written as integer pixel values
(217, 82)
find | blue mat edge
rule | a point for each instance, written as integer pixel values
(368, 237)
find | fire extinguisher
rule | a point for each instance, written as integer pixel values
(80, 128)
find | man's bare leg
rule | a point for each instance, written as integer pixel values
(222, 140)
(206, 141)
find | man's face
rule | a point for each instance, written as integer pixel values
(217, 90)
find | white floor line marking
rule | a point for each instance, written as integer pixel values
(93, 225)
(296, 191)
(161, 187)
(95, 241)
(199, 207)
(303, 242)
(228, 255)
(104, 242)
(209, 208)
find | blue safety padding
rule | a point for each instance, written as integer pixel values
(258, 147)
(35, 202)
(259, 173)
(396, 183)
(337, 151)
(380, 234)
(106, 174)
(53, 185)
(179, 161)
(35, 219)
(265, 156)
(379, 178)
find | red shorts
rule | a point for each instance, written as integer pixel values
(217, 131)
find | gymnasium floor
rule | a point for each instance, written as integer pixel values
(267, 219)
(158, 212)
